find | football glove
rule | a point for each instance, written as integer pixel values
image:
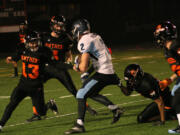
(164, 83)
(84, 77)
(124, 90)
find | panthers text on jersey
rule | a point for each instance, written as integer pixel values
(33, 64)
(59, 46)
(101, 58)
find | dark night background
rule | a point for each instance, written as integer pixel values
(119, 22)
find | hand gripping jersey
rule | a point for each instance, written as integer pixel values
(173, 57)
(101, 58)
(59, 46)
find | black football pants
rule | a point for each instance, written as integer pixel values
(18, 94)
(151, 112)
(91, 88)
(62, 75)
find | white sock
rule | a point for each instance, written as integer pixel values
(178, 117)
(0, 127)
(112, 107)
(80, 122)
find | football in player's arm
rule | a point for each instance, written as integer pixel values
(92, 47)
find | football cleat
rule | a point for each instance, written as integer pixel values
(76, 129)
(52, 105)
(117, 114)
(91, 110)
(34, 118)
(174, 131)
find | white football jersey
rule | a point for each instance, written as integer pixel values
(101, 58)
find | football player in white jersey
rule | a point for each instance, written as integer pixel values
(92, 47)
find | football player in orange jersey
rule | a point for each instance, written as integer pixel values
(33, 57)
(165, 36)
(60, 43)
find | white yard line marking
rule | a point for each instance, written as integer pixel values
(46, 91)
(4, 97)
(7, 97)
(66, 96)
(64, 115)
(108, 94)
(134, 95)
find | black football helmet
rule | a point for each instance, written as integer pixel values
(58, 21)
(164, 32)
(80, 27)
(132, 73)
(32, 41)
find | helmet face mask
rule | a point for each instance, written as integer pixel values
(75, 32)
(165, 32)
(57, 24)
(32, 41)
(33, 45)
(132, 73)
(80, 27)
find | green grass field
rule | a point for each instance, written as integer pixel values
(150, 59)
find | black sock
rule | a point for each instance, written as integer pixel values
(81, 108)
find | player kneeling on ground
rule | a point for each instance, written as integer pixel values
(149, 87)
(33, 58)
